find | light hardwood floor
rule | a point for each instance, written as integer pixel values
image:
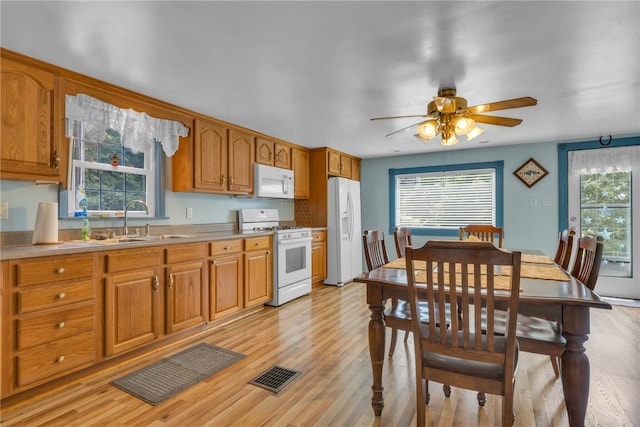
(325, 337)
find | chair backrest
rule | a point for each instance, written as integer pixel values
(484, 232)
(586, 267)
(565, 247)
(402, 237)
(453, 274)
(375, 250)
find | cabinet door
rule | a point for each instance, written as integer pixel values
(335, 163)
(225, 285)
(355, 169)
(300, 163)
(282, 155)
(258, 277)
(132, 306)
(318, 257)
(210, 156)
(29, 147)
(264, 151)
(345, 166)
(185, 287)
(241, 153)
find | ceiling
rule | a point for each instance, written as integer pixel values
(314, 73)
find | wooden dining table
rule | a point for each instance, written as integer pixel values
(568, 301)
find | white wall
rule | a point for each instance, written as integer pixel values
(525, 227)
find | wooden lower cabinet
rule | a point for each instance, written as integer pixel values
(133, 299)
(185, 286)
(318, 257)
(49, 319)
(258, 271)
(225, 278)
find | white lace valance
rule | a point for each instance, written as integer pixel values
(615, 159)
(138, 131)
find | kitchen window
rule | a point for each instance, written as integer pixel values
(107, 175)
(438, 200)
(116, 155)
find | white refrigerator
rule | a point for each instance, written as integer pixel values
(344, 237)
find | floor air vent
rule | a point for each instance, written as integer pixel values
(275, 378)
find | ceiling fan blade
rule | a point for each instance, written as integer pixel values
(494, 120)
(526, 101)
(399, 117)
(400, 130)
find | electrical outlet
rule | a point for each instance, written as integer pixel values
(533, 203)
(189, 212)
(4, 210)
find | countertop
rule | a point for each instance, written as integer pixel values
(78, 246)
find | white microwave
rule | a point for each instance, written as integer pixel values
(271, 182)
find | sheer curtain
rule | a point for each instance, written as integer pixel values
(616, 159)
(138, 131)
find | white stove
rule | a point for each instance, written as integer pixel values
(292, 253)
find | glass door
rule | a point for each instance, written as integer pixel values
(604, 200)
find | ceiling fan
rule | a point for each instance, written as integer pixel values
(449, 116)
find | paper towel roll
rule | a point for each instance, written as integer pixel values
(45, 231)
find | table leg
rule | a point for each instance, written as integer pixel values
(575, 363)
(376, 351)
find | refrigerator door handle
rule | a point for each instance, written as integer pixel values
(350, 211)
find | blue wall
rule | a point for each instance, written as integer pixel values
(525, 226)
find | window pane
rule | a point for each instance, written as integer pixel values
(135, 183)
(112, 180)
(132, 159)
(446, 200)
(112, 201)
(605, 210)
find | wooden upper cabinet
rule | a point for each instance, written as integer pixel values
(335, 164)
(342, 165)
(210, 156)
(273, 153)
(30, 145)
(221, 160)
(355, 169)
(300, 165)
(241, 154)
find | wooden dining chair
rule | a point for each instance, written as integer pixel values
(586, 267)
(375, 254)
(402, 237)
(484, 232)
(565, 248)
(461, 355)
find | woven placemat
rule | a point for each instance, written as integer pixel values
(536, 259)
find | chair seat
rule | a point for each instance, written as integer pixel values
(400, 311)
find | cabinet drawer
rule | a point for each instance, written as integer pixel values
(319, 236)
(183, 253)
(54, 358)
(40, 270)
(40, 329)
(116, 262)
(256, 243)
(54, 295)
(224, 247)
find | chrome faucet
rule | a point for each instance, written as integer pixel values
(126, 209)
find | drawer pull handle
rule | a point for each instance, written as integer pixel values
(60, 359)
(170, 280)
(226, 248)
(156, 284)
(60, 270)
(213, 262)
(60, 325)
(61, 295)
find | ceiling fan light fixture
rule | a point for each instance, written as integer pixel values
(464, 125)
(428, 129)
(425, 140)
(474, 132)
(449, 140)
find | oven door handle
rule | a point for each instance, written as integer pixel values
(297, 241)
